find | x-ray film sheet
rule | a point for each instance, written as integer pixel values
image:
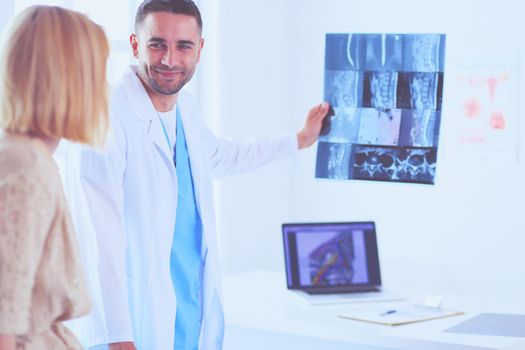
(386, 91)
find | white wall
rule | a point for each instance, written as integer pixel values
(254, 102)
(7, 8)
(464, 234)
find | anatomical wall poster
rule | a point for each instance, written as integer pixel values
(486, 101)
(386, 92)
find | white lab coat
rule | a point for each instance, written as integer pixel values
(131, 194)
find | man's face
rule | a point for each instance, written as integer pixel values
(167, 47)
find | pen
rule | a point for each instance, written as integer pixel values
(388, 312)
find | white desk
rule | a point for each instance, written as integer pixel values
(260, 314)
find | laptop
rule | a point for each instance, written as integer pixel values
(334, 263)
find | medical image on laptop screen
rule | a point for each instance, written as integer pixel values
(330, 255)
(331, 258)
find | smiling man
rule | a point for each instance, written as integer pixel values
(168, 46)
(149, 195)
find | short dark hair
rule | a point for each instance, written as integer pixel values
(183, 7)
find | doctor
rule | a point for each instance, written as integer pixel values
(150, 194)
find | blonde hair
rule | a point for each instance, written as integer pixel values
(53, 76)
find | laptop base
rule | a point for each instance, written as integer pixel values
(345, 298)
(344, 290)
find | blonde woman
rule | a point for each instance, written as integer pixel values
(53, 86)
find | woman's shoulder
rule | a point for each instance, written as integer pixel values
(25, 160)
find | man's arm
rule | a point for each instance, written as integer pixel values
(230, 157)
(102, 177)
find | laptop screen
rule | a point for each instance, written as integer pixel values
(331, 256)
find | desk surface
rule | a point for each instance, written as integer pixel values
(259, 300)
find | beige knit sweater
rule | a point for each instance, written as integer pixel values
(41, 283)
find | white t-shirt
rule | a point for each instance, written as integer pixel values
(169, 121)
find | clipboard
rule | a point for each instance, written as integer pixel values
(398, 316)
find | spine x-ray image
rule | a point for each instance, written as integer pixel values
(332, 262)
(386, 91)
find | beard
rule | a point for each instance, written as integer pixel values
(144, 73)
